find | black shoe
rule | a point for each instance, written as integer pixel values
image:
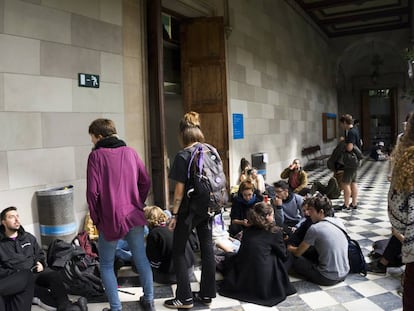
(82, 303)
(146, 305)
(377, 267)
(69, 306)
(178, 304)
(339, 207)
(353, 206)
(204, 300)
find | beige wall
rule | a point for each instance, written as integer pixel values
(281, 78)
(45, 116)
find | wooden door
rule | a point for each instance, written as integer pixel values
(203, 72)
(159, 174)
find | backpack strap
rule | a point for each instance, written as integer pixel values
(346, 234)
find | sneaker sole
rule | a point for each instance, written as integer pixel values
(179, 307)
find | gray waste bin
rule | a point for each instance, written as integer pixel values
(56, 214)
(259, 162)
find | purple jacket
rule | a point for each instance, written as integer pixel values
(117, 187)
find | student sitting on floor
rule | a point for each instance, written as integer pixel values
(159, 247)
(296, 177)
(288, 207)
(332, 265)
(257, 273)
(246, 197)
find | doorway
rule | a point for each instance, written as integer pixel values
(378, 114)
(186, 72)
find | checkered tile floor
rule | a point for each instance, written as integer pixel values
(366, 224)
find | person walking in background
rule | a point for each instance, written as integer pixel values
(182, 222)
(296, 177)
(401, 206)
(348, 182)
(117, 187)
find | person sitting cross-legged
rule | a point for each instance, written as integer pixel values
(288, 207)
(331, 244)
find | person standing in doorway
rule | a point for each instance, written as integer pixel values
(348, 182)
(117, 187)
(182, 223)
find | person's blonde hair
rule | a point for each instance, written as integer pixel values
(155, 216)
(403, 160)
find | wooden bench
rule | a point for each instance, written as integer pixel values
(314, 155)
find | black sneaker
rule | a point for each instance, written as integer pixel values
(146, 305)
(339, 207)
(204, 300)
(178, 304)
(353, 206)
(377, 267)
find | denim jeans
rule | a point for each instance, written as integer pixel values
(135, 239)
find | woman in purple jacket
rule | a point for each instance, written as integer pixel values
(117, 187)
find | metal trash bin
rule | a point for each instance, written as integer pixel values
(259, 161)
(56, 214)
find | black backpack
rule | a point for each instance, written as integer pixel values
(79, 271)
(207, 190)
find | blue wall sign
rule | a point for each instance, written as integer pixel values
(238, 127)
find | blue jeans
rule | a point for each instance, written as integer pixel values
(135, 239)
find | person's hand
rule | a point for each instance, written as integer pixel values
(39, 267)
(172, 223)
(277, 201)
(246, 223)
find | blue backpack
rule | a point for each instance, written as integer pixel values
(207, 191)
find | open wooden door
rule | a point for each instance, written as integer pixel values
(159, 157)
(203, 72)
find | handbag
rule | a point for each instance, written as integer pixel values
(356, 258)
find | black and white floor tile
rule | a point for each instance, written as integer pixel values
(366, 224)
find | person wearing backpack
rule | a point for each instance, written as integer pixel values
(117, 187)
(183, 220)
(19, 251)
(330, 242)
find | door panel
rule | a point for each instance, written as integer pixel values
(204, 78)
(156, 105)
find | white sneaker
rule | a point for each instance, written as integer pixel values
(37, 301)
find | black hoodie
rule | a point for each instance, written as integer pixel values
(21, 253)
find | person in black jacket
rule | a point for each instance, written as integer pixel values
(19, 251)
(257, 273)
(159, 247)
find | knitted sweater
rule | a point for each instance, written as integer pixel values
(401, 201)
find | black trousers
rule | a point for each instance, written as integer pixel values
(50, 289)
(208, 264)
(16, 291)
(393, 252)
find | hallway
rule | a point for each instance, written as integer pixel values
(367, 224)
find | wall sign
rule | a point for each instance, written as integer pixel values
(238, 127)
(88, 80)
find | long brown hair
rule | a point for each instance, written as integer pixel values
(257, 216)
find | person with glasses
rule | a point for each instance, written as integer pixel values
(287, 206)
